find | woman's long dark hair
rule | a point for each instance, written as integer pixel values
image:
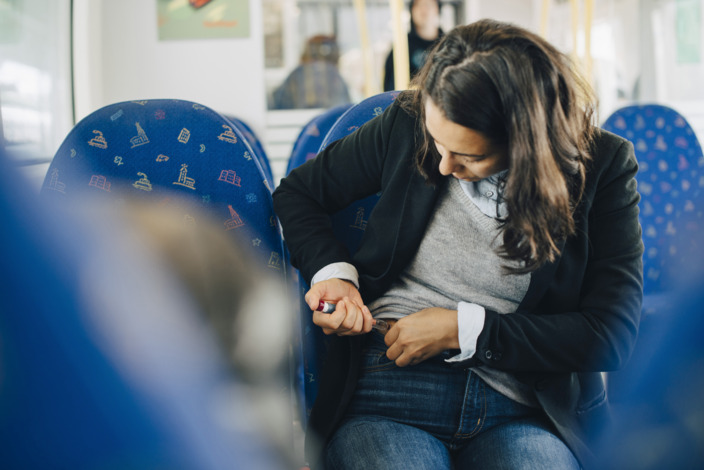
(519, 91)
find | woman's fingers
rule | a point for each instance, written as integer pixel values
(347, 319)
(421, 335)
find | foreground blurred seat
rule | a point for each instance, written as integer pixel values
(105, 361)
(659, 421)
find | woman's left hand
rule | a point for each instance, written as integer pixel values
(422, 335)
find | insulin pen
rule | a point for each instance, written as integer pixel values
(327, 307)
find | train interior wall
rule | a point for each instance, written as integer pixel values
(118, 56)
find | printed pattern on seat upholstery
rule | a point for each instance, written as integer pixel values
(257, 148)
(174, 151)
(670, 180)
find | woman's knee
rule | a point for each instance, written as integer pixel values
(364, 443)
(520, 445)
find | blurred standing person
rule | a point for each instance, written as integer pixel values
(316, 82)
(425, 31)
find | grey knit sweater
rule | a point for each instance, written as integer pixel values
(456, 262)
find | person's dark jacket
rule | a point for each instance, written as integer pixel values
(579, 316)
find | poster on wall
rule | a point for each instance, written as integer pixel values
(688, 30)
(203, 19)
(10, 26)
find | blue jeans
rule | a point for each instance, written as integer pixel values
(434, 416)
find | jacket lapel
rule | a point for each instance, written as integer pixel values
(539, 282)
(419, 203)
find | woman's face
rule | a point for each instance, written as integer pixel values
(466, 154)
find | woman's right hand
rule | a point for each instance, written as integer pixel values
(351, 316)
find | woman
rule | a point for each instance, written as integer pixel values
(504, 251)
(425, 31)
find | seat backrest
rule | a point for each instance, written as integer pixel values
(647, 415)
(670, 180)
(349, 225)
(158, 149)
(307, 144)
(257, 148)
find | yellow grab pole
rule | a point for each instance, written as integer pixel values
(574, 10)
(361, 10)
(588, 16)
(402, 69)
(544, 17)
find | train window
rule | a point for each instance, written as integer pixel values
(36, 105)
(639, 51)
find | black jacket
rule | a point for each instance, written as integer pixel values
(579, 316)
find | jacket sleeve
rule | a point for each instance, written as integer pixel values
(347, 170)
(594, 324)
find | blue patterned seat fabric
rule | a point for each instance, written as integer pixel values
(308, 142)
(349, 225)
(257, 148)
(670, 181)
(180, 153)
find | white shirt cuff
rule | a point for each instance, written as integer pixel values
(470, 322)
(340, 270)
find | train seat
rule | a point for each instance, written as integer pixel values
(257, 148)
(170, 150)
(307, 144)
(670, 182)
(348, 224)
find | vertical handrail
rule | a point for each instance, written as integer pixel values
(544, 17)
(360, 9)
(574, 16)
(586, 62)
(402, 69)
(588, 18)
